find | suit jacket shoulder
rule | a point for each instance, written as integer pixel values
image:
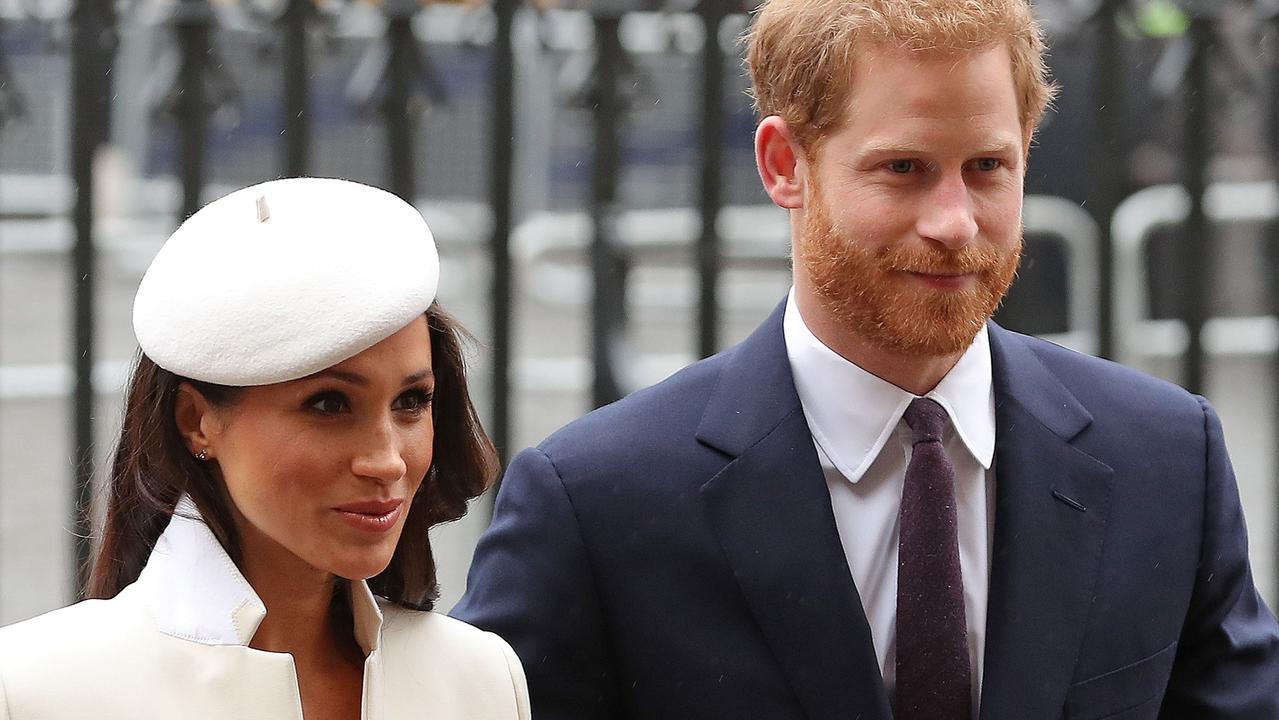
(1110, 411)
(697, 420)
(1103, 381)
(670, 409)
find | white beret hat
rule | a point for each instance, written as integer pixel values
(283, 279)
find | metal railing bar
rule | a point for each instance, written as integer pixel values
(10, 107)
(552, 249)
(92, 48)
(400, 73)
(1106, 182)
(1166, 206)
(1272, 21)
(608, 316)
(711, 168)
(1197, 236)
(501, 201)
(1052, 215)
(46, 381)
(193, 27)
(295, 68)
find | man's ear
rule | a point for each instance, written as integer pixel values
(780, 162)
(196, 420)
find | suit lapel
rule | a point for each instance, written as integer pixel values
(770, 510)
(1050, 520)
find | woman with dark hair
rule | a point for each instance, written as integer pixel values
(297, 420)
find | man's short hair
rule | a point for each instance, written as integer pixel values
(801, 52)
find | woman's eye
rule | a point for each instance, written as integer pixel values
(902, 167)
(414, 401)
(328, 403)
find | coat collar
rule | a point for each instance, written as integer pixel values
(754, 392)
(196, 592)
(1022, 378)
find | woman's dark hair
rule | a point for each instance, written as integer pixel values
(153, 467)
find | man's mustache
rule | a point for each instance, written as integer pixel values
(965, 261)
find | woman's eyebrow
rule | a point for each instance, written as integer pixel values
(419, 376)
(344, 376)
(355, 378)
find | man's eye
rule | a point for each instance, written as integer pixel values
(988, 164)
(902, 167)
(328, 403)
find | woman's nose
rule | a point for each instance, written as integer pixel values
(380, 456)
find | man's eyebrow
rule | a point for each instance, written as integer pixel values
(1001, 147)
(904, 148)
(888, 147)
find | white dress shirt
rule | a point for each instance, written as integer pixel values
(864, 446)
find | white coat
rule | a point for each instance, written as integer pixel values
(175, 644)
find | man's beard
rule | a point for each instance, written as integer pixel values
(867, 292)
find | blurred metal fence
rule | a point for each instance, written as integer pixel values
(598, 89)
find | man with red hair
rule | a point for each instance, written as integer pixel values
(881, 504)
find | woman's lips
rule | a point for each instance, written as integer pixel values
(371, 515)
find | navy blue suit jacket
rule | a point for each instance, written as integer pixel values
(674, 555)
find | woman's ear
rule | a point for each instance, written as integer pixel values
(194, 415)
(780, 162)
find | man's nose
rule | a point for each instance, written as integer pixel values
(948, 217)
(379, 456)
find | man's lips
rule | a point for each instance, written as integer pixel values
(944, 280)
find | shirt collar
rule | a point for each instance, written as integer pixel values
(852, 413)
(196, 592)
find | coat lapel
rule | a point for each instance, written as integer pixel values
(1050, 521)
(770, 510)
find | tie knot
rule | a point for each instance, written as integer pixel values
(926, 419)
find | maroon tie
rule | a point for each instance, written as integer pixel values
(933, 679)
